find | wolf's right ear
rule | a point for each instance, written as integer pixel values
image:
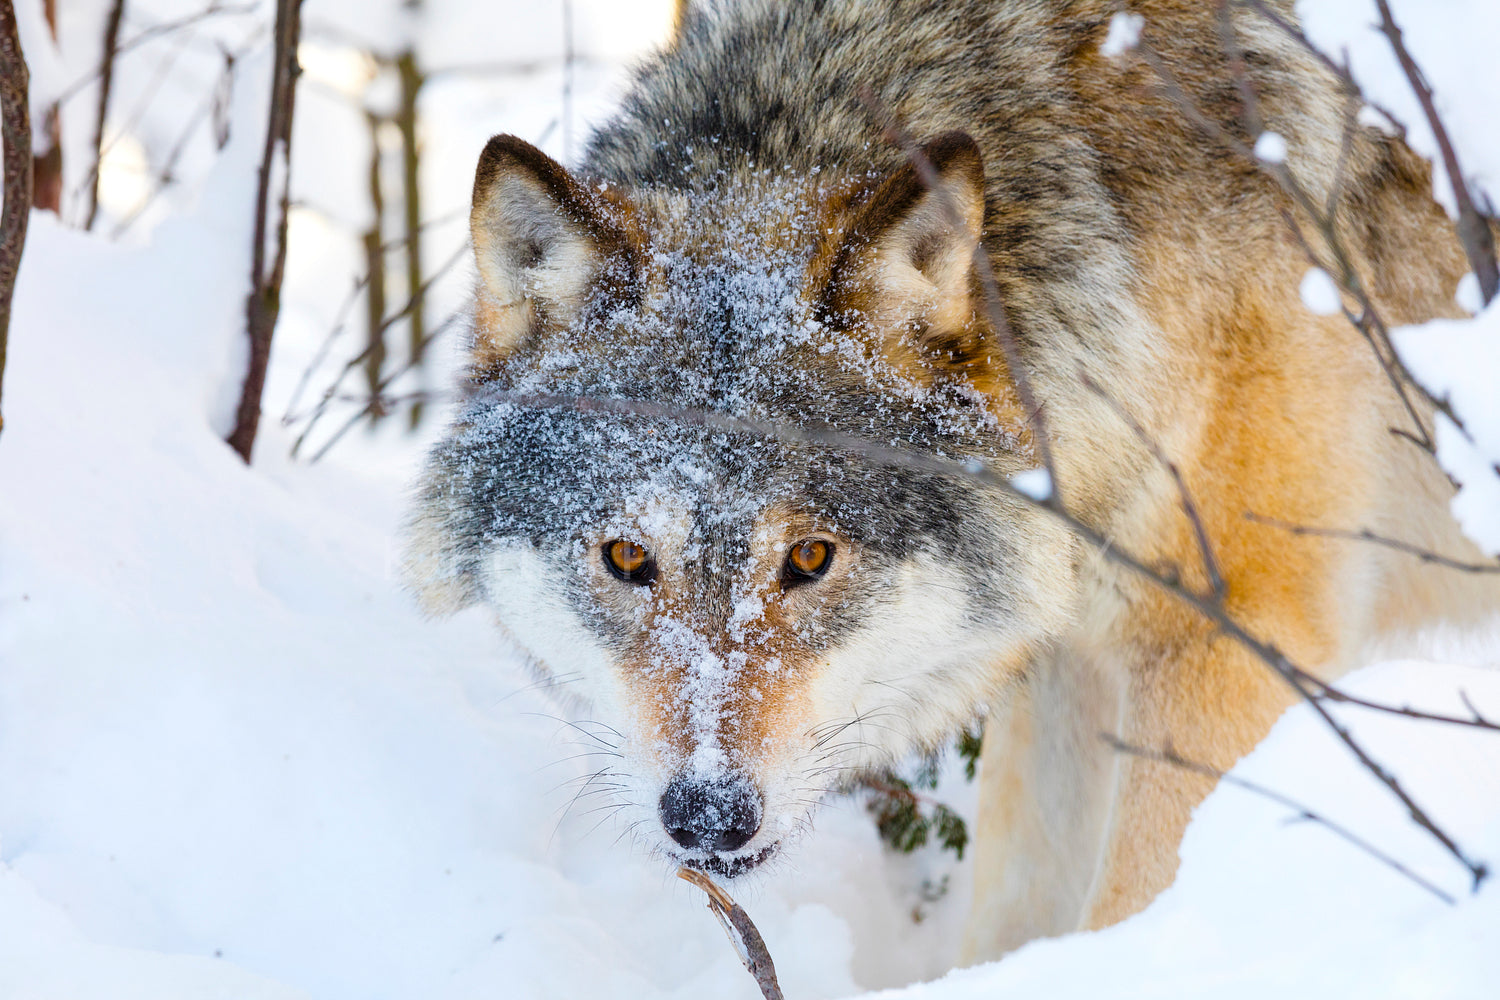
(541, 242)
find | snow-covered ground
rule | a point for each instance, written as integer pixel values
(234, 761)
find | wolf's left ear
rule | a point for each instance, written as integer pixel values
(907, 262)
(542, 241)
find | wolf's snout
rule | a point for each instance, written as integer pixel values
(716, 814)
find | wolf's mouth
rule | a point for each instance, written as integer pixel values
(727, 866)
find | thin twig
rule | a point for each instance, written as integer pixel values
(376, 400)
(1473, 230)
(1463, 696)
(341, 318)
(875, 783)
(1373, 328)
(340, 323)
(354, 362)
(1185, 498)
(1341, 166)
(1369, 322)
(106, 82)
(1366, 535)
(748, 943)
(167, 174)
(1170, 756)
(156, 31)
(1474, 720)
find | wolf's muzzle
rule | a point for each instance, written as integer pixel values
(717, 814)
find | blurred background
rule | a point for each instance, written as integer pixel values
(136, 101)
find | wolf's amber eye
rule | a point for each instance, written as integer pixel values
(808, 558)
(629, 561)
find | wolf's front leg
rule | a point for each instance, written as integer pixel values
(1208, 700)
(1047, 788)
(1073, 835)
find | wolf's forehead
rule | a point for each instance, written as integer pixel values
(719, 273)
(721, 332)
(557, 469)
(723, 283)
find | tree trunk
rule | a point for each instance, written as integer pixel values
(406, 121)
(15, 129)
(264, 302)
(46, 164)
(375, 268)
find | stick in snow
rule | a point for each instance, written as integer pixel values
(748, 943)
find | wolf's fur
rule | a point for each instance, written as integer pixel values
(740, 242)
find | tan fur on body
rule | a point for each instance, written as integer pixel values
(1127, 244)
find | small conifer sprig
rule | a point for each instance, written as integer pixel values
(907, 815)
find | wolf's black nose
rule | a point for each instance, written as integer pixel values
(714, 814)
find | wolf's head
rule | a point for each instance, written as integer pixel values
(752, 608)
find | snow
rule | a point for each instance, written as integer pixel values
(1320, 293)
(1270, 148)
(1124, 34)
(236, 761)
(1468, 295)
(1033, 483)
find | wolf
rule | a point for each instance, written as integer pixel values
(731, 375)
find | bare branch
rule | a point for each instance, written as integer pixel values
(1341, 166)
(106, 82)
(1170, 756)
(1369, 323)
(1366, 535)
(212, 105)
(748, 943)
(156, 31)
(1371, 326)
(376, 400)
(1346, 78)
(1478, 716)
(1474, 719)
(411, 203)
(354, 362)
(1473, 229)
(1200, 533)
(374, 277)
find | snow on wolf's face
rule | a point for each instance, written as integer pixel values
(755, 616)
(753, 619)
